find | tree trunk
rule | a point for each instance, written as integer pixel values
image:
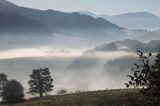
(40, 85)
(40, 94)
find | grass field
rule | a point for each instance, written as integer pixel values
(119, 97)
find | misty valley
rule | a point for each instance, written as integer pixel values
(55, 58)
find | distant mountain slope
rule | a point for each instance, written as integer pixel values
(94, 15)
(16, 24)
(120, 67)
(18, 31)
(72, 24)
(97, 57)
(154, 35)
(87, 61)
(89, 29)
(57, 18)
(138, 20)
(129, 45)
(12, 21)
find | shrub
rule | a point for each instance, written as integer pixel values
(12, 92)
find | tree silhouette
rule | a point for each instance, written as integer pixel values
(146, 77)
(41, 82)
(3, 81)
(12, 92)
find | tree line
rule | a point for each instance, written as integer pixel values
(12, 91)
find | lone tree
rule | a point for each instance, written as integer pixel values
(146, 77)
(3, 81)
(41, 82)
(12, 92)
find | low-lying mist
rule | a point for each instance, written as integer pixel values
(68, 72)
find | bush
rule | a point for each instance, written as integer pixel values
(12, 92)
(146, 77)
(3, 81)
(62, 92)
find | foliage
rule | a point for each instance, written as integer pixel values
(12, 92)
(3, 81)
(62, 92)
(40, 82)
(146, 77)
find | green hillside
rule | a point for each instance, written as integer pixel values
(119, 97)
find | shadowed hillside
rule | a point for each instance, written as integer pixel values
(98, 98)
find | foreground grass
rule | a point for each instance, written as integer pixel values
(120, 97)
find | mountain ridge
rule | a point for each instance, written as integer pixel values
(137, 13)
(52, 17)
(84, 27)
(132, 20)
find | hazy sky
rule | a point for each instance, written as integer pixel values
(108, 7)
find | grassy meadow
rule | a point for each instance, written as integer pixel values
(119, 97)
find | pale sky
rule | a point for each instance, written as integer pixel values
(108, 7)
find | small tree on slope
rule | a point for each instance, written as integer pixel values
(41, 82)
